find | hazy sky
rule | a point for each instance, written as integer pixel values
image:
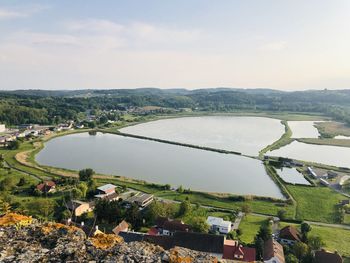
(280, 44)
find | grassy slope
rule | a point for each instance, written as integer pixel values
(315, 203)
(335, 239)
(250, 226)
(258, 206)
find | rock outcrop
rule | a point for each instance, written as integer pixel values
(54, 242)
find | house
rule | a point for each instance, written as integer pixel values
(235, 251)
(46, 187)
(108, 192)
(79, 207)
(323, 256)
(122, 227)
(218, 224)
(289, 235)
(273, 252)
(142, 200)
(167, 227)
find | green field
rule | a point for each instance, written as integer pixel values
(258, 206)
(335, 239)
(315, 203)
(250, 226)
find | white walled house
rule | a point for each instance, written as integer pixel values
(218, 224)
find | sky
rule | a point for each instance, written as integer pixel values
(84, 44)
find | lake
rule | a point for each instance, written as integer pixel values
(291, 175)
(303, 129)
(325, 154)
(160, 163)
(247, 135)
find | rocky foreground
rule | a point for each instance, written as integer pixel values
(52, 242)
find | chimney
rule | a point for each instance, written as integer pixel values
(96, 227)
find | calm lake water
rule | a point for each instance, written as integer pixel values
(160, 163)
(331, 155)
(303, 129)
(291, 175)
(247, 135)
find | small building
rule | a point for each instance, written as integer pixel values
(289, 235)
(235, 251)
(323, 256)
(167, 227)
(107, 191)
(47, 187)
(122, 227)
(79, 207)
(273, 252)
(218, 224)
(142, 200)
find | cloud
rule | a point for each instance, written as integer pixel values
(101, 26)
(136, 34)
(274, 46)
(20, 12)
(9, 14)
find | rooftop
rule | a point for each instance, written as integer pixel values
(212, 220)
(106, 187)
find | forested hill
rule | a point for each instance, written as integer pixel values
(46, 107)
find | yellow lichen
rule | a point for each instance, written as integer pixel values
(48, 228)
(10, 219)
(105, 241)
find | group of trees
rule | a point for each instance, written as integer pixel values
(303, 251)
(44, 107)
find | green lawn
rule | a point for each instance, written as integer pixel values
(258, 206)
(315, 203)
(250, 226)
(335, 239)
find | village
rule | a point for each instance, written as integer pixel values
(217, 236)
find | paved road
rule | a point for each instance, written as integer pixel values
(238, 220)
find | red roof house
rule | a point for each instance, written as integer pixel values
(46, 187)
(235, 251)
(289, 235)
